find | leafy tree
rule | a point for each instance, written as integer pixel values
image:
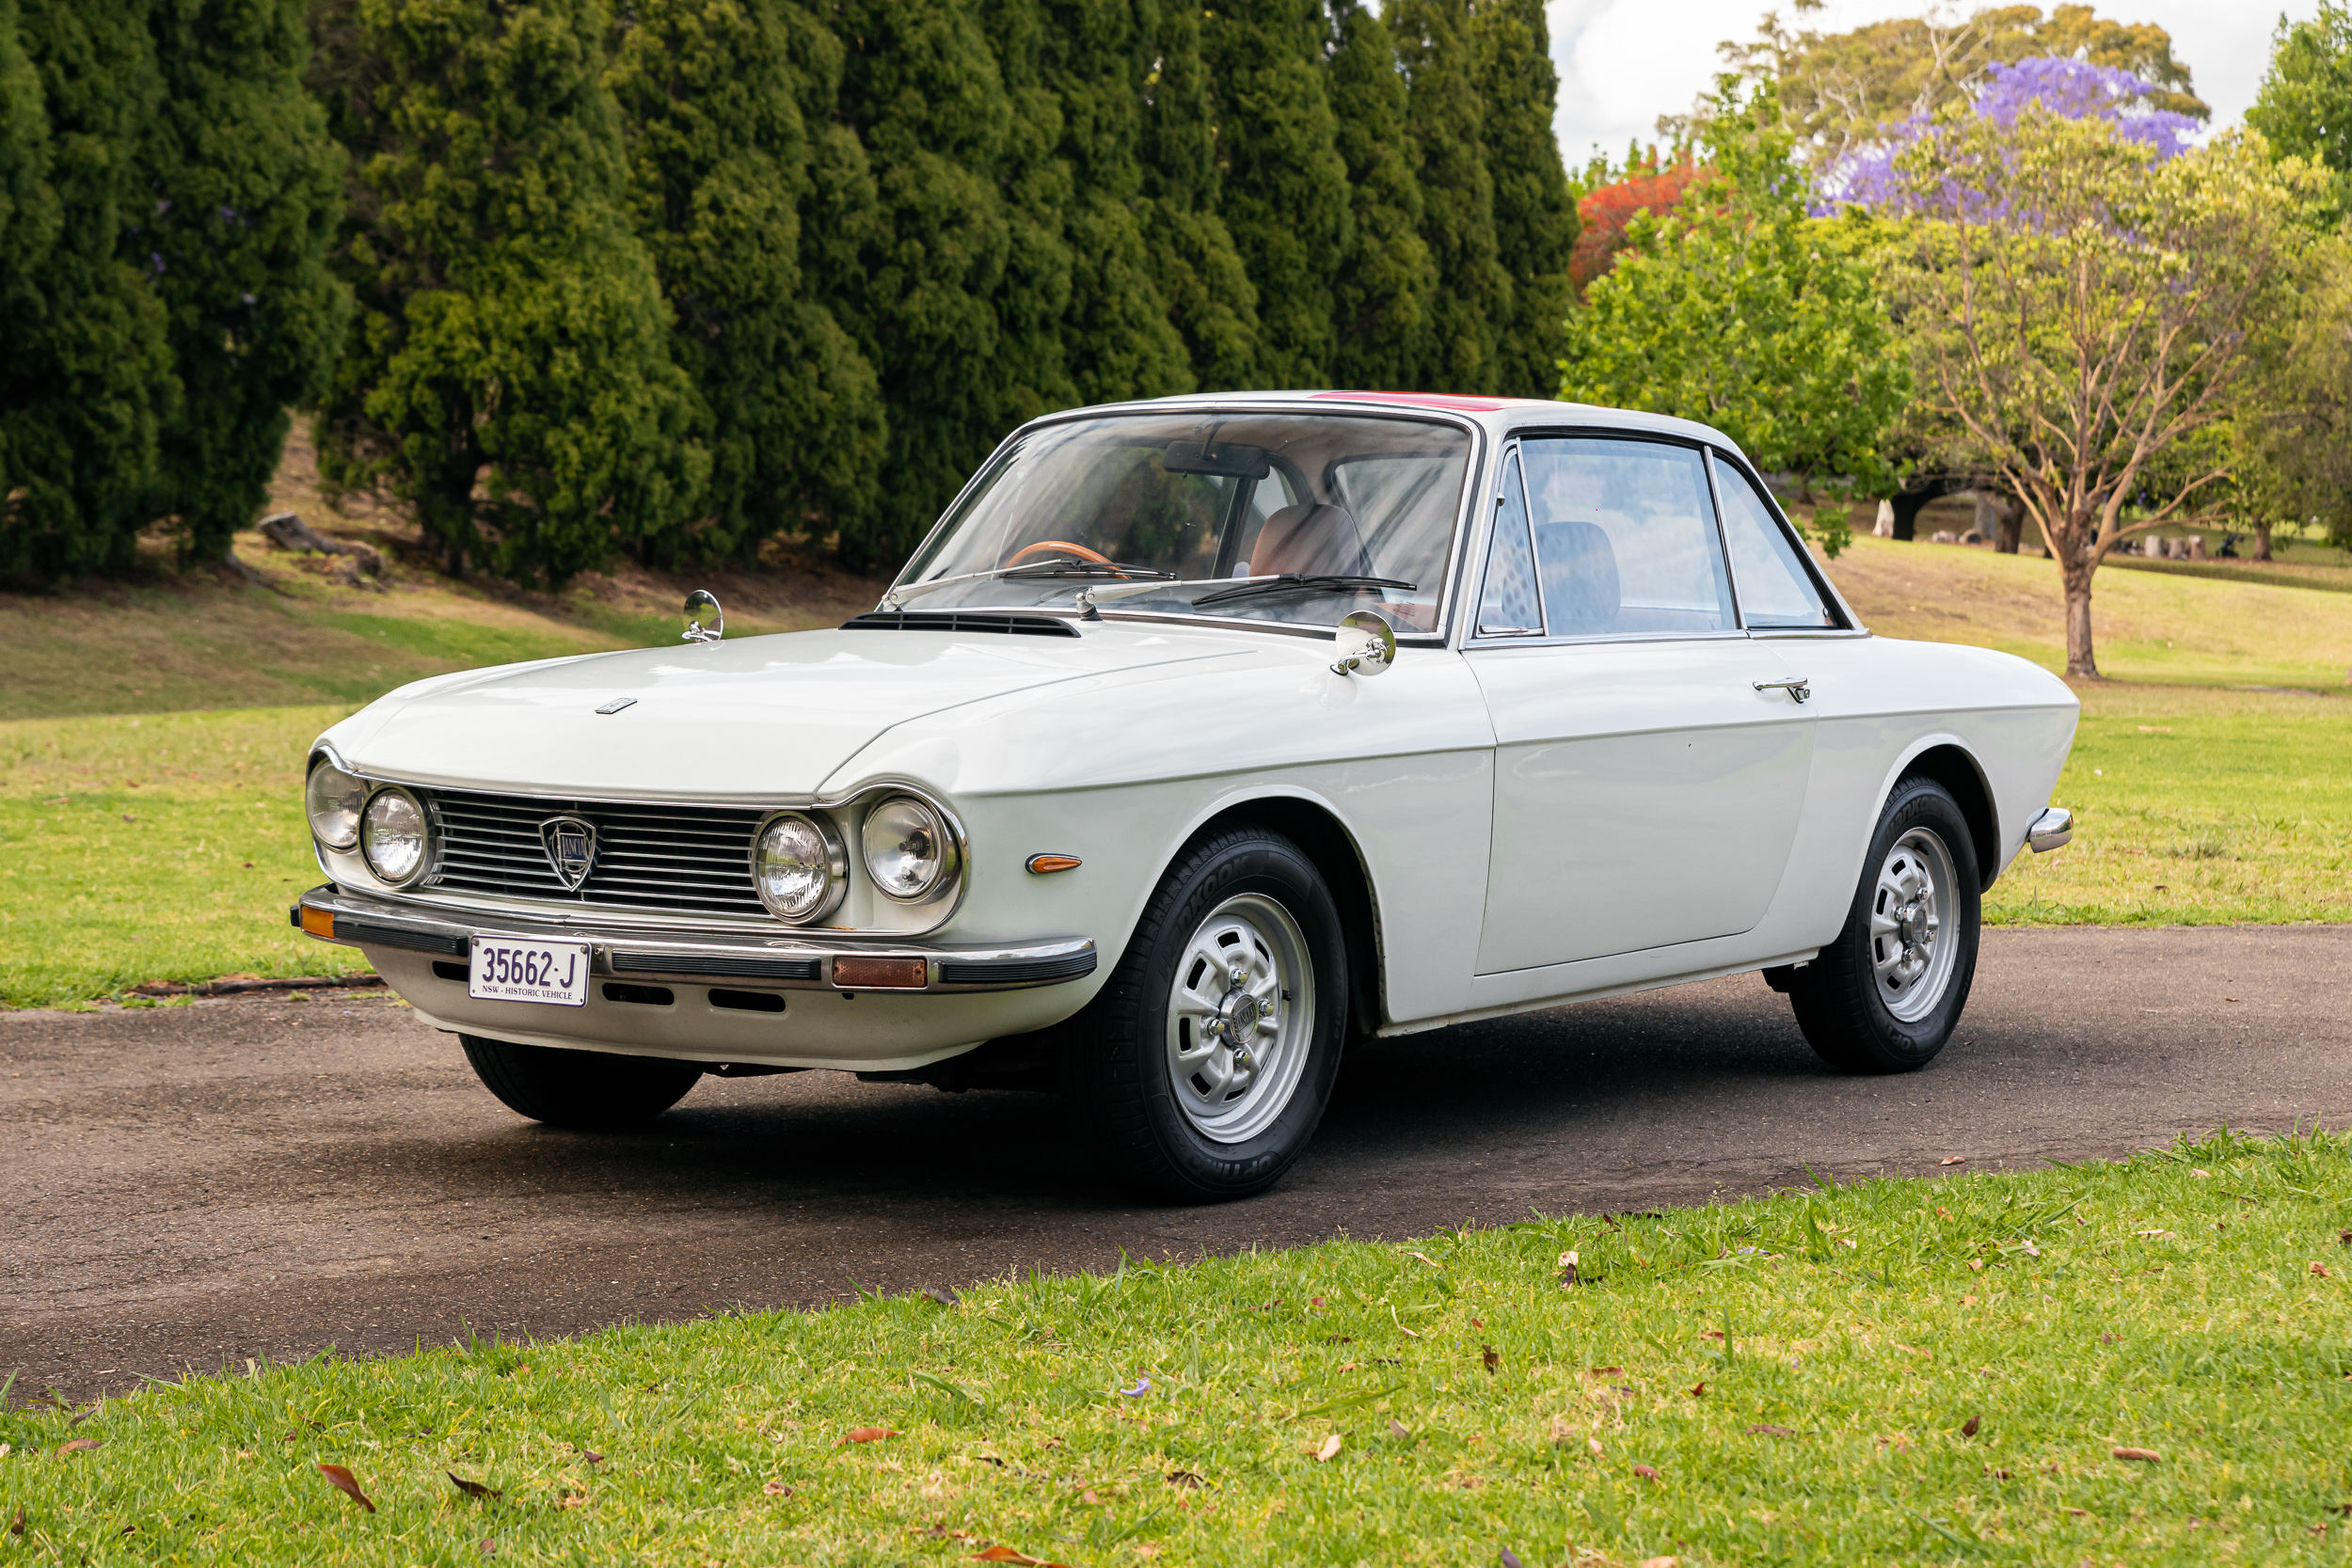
(1118, 340)
(1384, 295)
(1535, 215)
(1738, 309)
(1841, 92)
(1447, 121)
(248, 192)
(2079, 311)
(1195, 264)
(2290, 439)
(1034, 298)
(85, 378)
(2305, 105)
(1607, 212)
(1285, 195)
(510, 372)
(718, 152)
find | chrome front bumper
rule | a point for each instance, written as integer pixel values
(623, 952)
(2053, 829)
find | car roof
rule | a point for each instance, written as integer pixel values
(1499, 415)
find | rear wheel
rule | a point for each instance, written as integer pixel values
(591, 1090)
(1888, 993)
(1200, 1070)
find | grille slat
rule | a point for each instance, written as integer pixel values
(689, 859)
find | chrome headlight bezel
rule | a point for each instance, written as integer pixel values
(424, 835)
(948, 871)
(323, 765)
(836, 865)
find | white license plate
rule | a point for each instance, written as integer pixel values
(551, 971)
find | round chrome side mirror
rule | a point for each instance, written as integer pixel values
(705, 621)
(1367, 644)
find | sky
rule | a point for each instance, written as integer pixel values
(1625, 62)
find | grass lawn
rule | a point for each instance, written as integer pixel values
(1896, 1371)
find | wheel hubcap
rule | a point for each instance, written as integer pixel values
(1240, 1018)
(1910, 952)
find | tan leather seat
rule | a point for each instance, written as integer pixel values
(1312, 540)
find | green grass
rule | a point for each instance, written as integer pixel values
(1891, 1372)
(165, 847)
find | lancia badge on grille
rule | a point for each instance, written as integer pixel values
(571, 845)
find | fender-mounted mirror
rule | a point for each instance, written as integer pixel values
(1367, 644)
(705, 621)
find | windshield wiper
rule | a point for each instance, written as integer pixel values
(1288, 583)
(905, 590)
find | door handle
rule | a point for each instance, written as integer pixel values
(1798, 686)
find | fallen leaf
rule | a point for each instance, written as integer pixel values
(1604, 1372)
(591, 1458)
(2200, 1174)
(347, 1484)
(1659, 1563)
(16, 1525)
(1968, 1427)
(1184, 1478)
(1314, 1301)
(776, 1489)
(866, 1434)
(939, 1293)
(471, 1488)
(1997, 1475)
(1426, 1259)
(1330, 1451)
(77, 1444)
(1398, 1429)
(2152, 1232)
(1594, 1444)
(1910, 1350)
(2320, 1529)
(2320, 1269)
(1766, 1429)
(1487, 1353)
(2344, 1237)
(1697, 1389)
(1567, 1269)
(1711, 1332)
(1953, 1159)
(1511, 1558)
(1001, 1553)
(2079, 1512)
(2144, 1456)
(1645, 1472)
(1968, 1301)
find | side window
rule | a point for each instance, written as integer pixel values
(1507, 605)
(1775, 590)
(1624, 538)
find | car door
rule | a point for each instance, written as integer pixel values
(1648, 777)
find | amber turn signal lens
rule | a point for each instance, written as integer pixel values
(1041, 864)
(880, 974)
(318, 922)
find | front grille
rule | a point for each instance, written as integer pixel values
(692, 860)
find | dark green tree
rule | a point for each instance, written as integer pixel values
(1033, 301)
(1118, 340)
(2305, 105)
(784, 401)
(1447, 124)
(248, 191)
(510, 372)
(86, 375)
(1385, 296)
(1535, 223)
(1194, 263)
(1285, 195)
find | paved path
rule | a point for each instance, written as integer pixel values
(267, 1177)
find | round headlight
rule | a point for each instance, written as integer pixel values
(798, 868)
(392, 833)
(333, 799)
(909, 851)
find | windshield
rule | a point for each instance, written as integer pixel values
(1200, 496)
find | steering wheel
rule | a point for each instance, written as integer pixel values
(1046, 546)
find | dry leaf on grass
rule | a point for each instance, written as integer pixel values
(1184, 1478)
(2320, 1269)
(1697, 1389)
(1646, 1472)
(1953, 1159)
(1398, 1429)
(866, 1434)
(1968, 1428)
(776, 1489)
(2143, 1456)
(1765, 1429)
(1659, 1562)
(1330, 1451)
(347, 1484)
(16, 1525)
(1001, 1553)
(1487, 1354)
(79, 1445)
(471, 1488)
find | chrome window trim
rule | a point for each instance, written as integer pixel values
(612, 915)
(1448, 592)
(1822, 582)
(1472, 631)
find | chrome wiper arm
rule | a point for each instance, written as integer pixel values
(1312, 582)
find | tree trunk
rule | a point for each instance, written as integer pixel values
(2080, 663)
(2009, 520)
(2261, 541)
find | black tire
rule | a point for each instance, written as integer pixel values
(1841, 999)
(591, 1091)
(1116, 1069)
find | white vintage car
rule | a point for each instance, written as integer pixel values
(1198, 736)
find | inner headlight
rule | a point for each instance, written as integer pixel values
(799, 867)
(909, 851)
(392, 834)
(333, 799)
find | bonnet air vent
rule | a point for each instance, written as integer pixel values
(953, 620)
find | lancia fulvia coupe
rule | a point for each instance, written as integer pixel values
(1198, 737)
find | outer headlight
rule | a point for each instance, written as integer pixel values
(909, 851)
(800, 867)
(333, 799)
(392, 834)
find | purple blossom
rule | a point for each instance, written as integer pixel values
(2072, 89)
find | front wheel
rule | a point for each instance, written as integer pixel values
(591, 1090)
(1886, 994)
(1200, 1070)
